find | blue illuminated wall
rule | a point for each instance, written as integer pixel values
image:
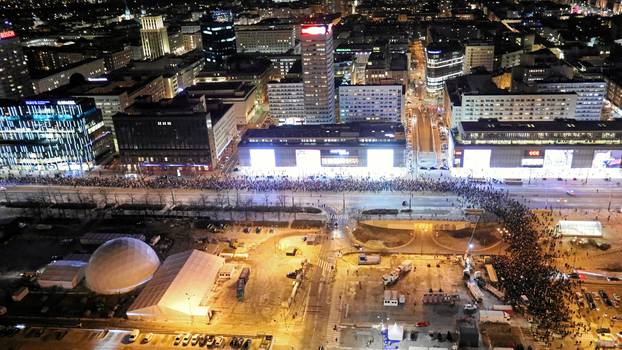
(48, 135)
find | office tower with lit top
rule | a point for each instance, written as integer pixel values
(154, 37)
(218, 36)
(14, 76)
(318, 73)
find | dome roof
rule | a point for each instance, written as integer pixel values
(120, 265)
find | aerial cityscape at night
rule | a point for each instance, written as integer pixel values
(310, 174)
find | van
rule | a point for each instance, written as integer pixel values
(133, 335)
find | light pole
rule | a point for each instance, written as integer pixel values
(189, 296)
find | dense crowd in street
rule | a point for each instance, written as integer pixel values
(527, 271)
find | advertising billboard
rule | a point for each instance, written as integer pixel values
(558, 159)
(340, 158)
(308, 158)
(476, 158)
(380, 158)
(533, 158)
(262, 158)
(609, 159)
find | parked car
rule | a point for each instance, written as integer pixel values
(133, 335)
(219, 341)
(147, 338)
(186, 340)
(177, 339)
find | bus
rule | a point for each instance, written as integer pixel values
(513, 181)
(492, 274)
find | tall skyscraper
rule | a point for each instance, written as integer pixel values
(318, 73)
(218, 36)
(14, 76)
(154, 37)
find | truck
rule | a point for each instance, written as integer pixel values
(494, 291)
(241, 283)
(476, 293)
(365, 259)
(406, 266)
(390, 279)
(493, 316)
(505, 308)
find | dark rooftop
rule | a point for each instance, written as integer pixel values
(570, 125)
(351, 130)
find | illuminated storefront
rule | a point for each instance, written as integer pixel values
(561, 148)
(310, 148)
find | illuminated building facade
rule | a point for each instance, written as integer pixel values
(379, 103)
(154, 37)
(314, 147)
(444, 61)
(318, 73)
(268, 39)
(14, 76)
(218, 39)
(52, 135)
(546, 146)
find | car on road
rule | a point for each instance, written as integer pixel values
(422, 324)
(133, 335)
(219, 341)
(571, 193)
(178, 339)
(186, 340)
(209, 340)
(147, 338)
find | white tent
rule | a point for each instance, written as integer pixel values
(579, 228)
(178, 287)
(62, 273)
(395, 332)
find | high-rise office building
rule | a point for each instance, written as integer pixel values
(444, 61)
(45, 135)
(318, 73)
(14, 76)
(154, 37)
(218, 36)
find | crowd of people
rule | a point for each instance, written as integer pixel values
(527, 270)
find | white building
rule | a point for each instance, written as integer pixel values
(286, 101)
(268, 39)
(179, 287)
(318, 73)
(154, 37)
(88, 69)
(473, 97)
(66, 274)
(380, 103)
(590, 95)
(478, 54)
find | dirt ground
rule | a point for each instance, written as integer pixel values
(390, 237)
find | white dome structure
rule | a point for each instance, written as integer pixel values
(120, 265)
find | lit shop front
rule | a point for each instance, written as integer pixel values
(560, 148)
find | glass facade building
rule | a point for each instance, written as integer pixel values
(52, 135)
